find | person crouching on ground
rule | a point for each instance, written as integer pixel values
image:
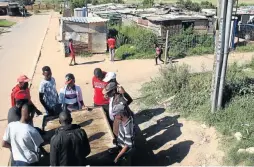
(116, 98)
(69, 146)
(126, 134)
(23, 86)
(70, 97)
(72, 53)
(24, 140)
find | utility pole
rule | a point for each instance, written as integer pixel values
(226, 52)
(219, 56)
(166, 49)
(216, 31)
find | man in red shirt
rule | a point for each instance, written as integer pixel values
(111, 46)
(99, 85)
(72, 52)
(23, 86)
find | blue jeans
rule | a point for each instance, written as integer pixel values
(21, 163)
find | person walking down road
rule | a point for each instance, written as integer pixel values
(99, 85)
(69, 146)
(70, 96)
(111, 46)
(24, 140)
(111, 91)
(72, 52)
(23, 86)
(126, 134)
(47, 92)
(158, 54)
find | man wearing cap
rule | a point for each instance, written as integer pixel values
(70, 97)
(111, 91)
(14, 113)
(47, 92)
(125, 139)
(23, 85)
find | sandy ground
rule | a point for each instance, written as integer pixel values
(169, 139)
(18, 50)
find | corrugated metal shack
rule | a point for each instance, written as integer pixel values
(173, 22)
(88, 33)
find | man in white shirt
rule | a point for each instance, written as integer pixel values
(23, 140)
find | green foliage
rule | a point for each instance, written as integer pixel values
(148, 3)
(190, 43)
(246, 48)
(189, 5)
(124, 51)
(207, 5)
(6, 23)
(194, 6)
(143, 40)
(192, 99)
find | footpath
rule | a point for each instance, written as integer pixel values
(194, 144)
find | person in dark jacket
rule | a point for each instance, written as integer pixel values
(69, 146)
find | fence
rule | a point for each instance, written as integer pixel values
(188, 43)
(44, 7)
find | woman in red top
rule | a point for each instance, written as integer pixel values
(72, 52)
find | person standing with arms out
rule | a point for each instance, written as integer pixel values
(158, 54)
(24, 140)
(99, 85)
(111, 47)
(72, 52)
(69, 146)
(70, 97)
(47, 92)
(23, 86)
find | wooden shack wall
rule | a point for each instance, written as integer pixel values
(87, 37)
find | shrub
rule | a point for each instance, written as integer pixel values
(192, 99)
(124, 51)
(190, 43)
(148, 3)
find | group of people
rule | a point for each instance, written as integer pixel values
(69, 146)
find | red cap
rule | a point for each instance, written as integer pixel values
(22, 94)
(23, 78)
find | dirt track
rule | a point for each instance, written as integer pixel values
(180, 143)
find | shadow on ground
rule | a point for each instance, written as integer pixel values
(91, 62)
(151, 138)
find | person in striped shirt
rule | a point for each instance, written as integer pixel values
(125, 138)
(71, 95)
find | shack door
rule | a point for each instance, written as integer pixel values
(187, 24)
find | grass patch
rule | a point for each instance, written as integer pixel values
(192, 100)
(246, 48)
(6, 23)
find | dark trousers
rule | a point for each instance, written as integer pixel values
(126, 158)
(158, 57)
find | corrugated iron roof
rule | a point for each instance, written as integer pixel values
(174, 17)
(84, 19)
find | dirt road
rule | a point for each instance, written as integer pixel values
(167, 139)
(18, 53)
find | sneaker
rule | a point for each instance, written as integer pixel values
(70, 64)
